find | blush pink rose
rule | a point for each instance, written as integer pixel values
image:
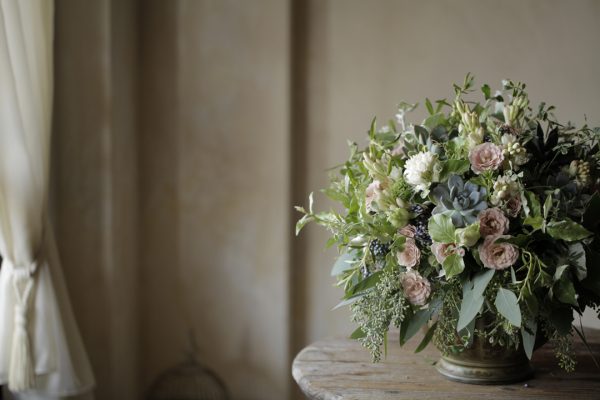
(492, 222)
(410, 256)
(408, 231)
(416, 288)
(498, 255)
(443, 250)
(513, 206)
(485, 157)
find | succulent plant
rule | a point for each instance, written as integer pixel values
(461, 200)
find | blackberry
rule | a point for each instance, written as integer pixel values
(417, 209)
(378, 249)
(422, 231)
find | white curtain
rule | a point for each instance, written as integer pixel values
(41, 352)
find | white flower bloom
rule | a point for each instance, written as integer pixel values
(513, 151)
(418, 170)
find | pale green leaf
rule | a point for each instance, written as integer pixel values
(441, 229)
(528, 333)
(344, 263)
(567, 230)
(427, 338)
(508, 306)
(453, 265)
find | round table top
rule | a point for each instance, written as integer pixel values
(340, 368)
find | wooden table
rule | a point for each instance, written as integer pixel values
(341, 368)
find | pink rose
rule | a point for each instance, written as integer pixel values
(372, 194)
(498, 255)
(410, 256)
(416, 288)
(408, 231)
(443, 250)
(485, 157)
(513, 206)
(492, 222)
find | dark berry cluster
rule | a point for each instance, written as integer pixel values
(420, 222)
(421, 230)
(378, 249)
(417, 209)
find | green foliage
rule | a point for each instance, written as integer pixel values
(413, 186)
(441, 229)
(508, 306)
(473, 298)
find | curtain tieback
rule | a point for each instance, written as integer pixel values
(21, 375)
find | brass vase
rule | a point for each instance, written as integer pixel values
(485, 364)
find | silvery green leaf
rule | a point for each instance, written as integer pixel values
(344, 263)
(528, 333)
(473, 298)
(469, 308)
(410, 327)
(508, 306)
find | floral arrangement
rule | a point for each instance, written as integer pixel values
(484, 209)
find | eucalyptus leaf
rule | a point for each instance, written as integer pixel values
(348, 301)
(344, 263)
(528, 333)
(473, 298)
(364, 284)
(508, 306)
(427, 338)
(411, 326)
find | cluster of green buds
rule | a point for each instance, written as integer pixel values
(581, 171)
(469, 123)
(515, 109)
(513, 151)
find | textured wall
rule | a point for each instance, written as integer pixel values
(185, 130)
(94, 187)
(214, 209)
(372, 55)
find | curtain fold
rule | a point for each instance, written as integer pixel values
(41, 352)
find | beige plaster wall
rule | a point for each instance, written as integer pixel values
(94, 182)
(372, 55)
(214, 209)
(186, 129)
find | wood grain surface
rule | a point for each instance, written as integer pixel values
(340, 368)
